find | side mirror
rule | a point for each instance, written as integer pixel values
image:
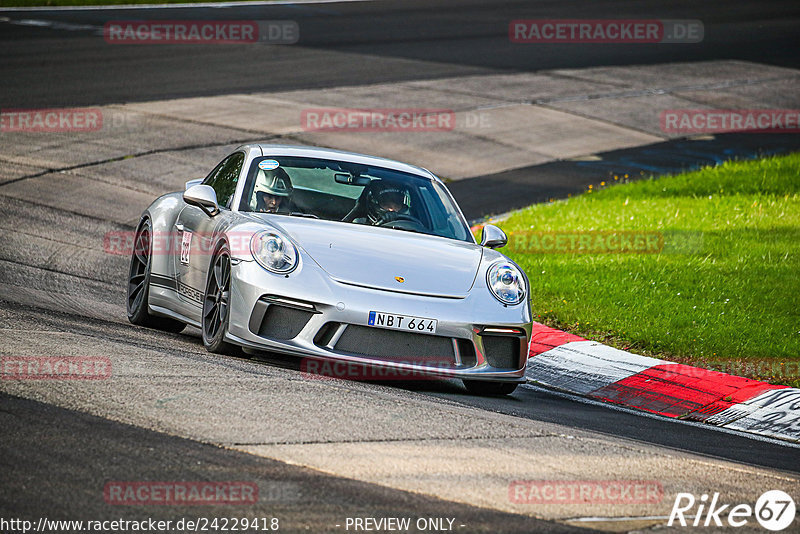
(204, 197)
(191, 183)
(493, 237)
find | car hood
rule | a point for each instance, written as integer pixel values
(378, 257)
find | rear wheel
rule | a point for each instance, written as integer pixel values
(139, 284)
(481, 387)
(216, 303)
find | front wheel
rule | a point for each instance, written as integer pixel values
(481, 387)
(216, 303)
(139, 284)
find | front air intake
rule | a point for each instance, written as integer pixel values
(402, 347)
(282, 322)
(502, 352)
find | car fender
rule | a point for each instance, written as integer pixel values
(163, 213)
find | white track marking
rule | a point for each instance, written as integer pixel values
(612, 519)
(584, 366)
(53, 24)
(214, 5)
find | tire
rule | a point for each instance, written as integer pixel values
(482, 387)
(216, 304)
(139, 285)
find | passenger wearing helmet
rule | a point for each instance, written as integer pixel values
(272, 192)
(385, 202)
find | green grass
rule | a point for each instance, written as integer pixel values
(34, 3)
(723, 293)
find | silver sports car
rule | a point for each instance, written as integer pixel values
(338, 258)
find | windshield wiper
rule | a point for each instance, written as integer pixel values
(301, 214)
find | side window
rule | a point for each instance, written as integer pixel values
(223, 179)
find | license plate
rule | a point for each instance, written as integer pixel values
(407, 323)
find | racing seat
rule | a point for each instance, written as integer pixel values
(359, 209)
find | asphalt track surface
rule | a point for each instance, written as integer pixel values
(56, 460)
(539, 404)
(56, 481)
(358, 43)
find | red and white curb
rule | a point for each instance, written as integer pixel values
(571, 363)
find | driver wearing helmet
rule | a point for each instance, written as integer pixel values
(272, 191)
(385, 202)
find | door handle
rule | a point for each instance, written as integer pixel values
(179, 227)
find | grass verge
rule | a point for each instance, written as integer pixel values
(713, 279)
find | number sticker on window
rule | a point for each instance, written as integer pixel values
(186, 245)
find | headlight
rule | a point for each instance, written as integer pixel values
(506, 283)
(274, 252)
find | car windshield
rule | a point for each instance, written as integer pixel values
(352, 193)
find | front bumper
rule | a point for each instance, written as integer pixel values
(310, 315)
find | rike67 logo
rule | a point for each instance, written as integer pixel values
(774, 510)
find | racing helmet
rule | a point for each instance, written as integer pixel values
(273, 182)
(385, 197)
